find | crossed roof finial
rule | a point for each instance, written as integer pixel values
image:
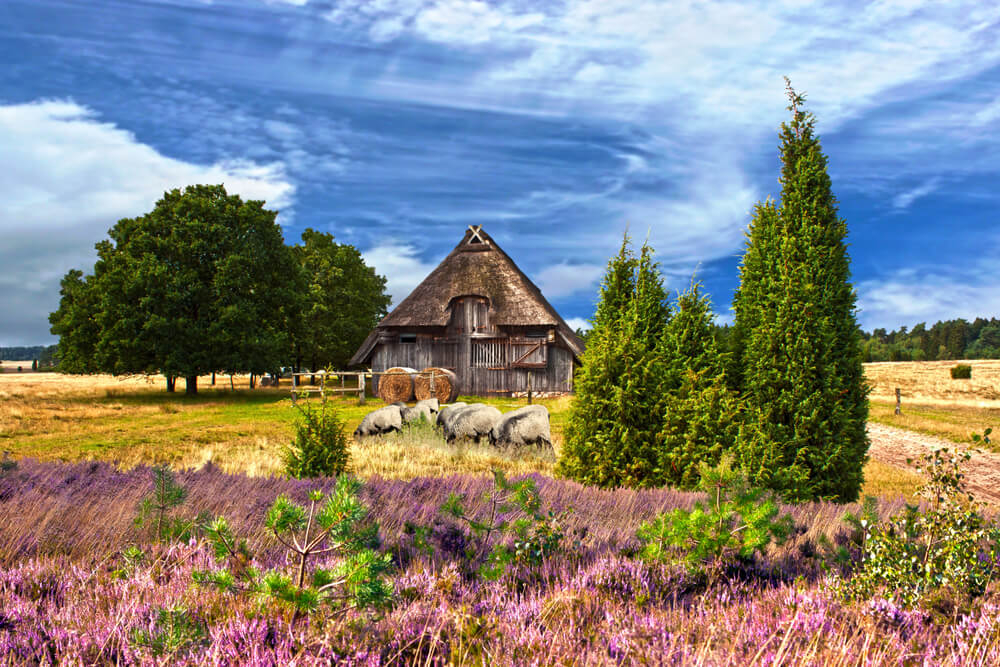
(476, 238)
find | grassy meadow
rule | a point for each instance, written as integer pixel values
(932, 402)
(134, 421)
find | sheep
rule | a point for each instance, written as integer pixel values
(414, 414)
(377, 422)
(432, 405)
(524, 427)
(473, 421)
(447, 410)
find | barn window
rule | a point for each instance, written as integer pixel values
(407, 338)
(489, 353)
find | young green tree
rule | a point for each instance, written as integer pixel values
(342, 301)
(617, 411)
(202, 283)
(805, 398)
(700, 418)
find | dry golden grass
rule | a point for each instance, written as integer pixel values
(930, 383)
(950, 422)
(134, 421)
(889, 481)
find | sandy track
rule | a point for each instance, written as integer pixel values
(894, 445)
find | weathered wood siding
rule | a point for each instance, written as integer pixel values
(483, 364)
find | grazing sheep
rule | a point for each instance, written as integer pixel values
(416, 413)
(377, 422)
(447, 410)
(432, 404)
(524, 427)
(473, 422)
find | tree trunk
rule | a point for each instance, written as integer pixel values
(191, 384)
(213, 378)
(171, 383)
(253, 379)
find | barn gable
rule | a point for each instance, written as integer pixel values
(478, 304)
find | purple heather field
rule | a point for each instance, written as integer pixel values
(63, 528)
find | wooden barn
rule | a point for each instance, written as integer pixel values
(479, 316)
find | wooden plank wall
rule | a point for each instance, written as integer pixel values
(556, 376)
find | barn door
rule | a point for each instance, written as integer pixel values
(529, 353)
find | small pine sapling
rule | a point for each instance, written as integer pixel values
(320, 448)
(131, 558)
(737, 523)
(155, 510)
(331, 525)
(533, 536)
(172, 634)
(843, 555)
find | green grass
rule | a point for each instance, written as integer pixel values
(243, 430)
(75, 419)
(956, 423)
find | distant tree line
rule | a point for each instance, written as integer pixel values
(204, 283)
(22, 353)
(951, 339)
(944, 341)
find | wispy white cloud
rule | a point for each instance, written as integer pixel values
(930, 294)
(904, 199)
(576, 323)
(67, 178)
(401, 265)
(564, 279)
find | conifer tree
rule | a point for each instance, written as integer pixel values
(700, 416)
(805, 398)
(610, 439)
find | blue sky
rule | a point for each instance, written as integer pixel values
(394, 124)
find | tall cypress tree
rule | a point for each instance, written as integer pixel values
(805, 399)
(610, 438)
(700, 419)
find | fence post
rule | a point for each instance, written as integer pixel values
(899, 410)
(433, 393)
(361, 388)
(529, 387)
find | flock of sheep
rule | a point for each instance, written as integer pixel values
(526, 427)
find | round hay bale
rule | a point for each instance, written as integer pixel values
(396, 385)
(445, 385)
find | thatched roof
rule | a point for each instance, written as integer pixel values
(477, 266)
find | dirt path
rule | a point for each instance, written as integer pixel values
(894, 445)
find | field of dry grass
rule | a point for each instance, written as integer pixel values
(930, 383)
(134, 421)
(932, 402)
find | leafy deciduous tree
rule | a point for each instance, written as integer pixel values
(343, 300)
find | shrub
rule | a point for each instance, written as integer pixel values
(737, 523)
(320, 448)
(335, 524)
(948, 549)
(533, 537)
(961, 372)
(154, 515)
(174, 632)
